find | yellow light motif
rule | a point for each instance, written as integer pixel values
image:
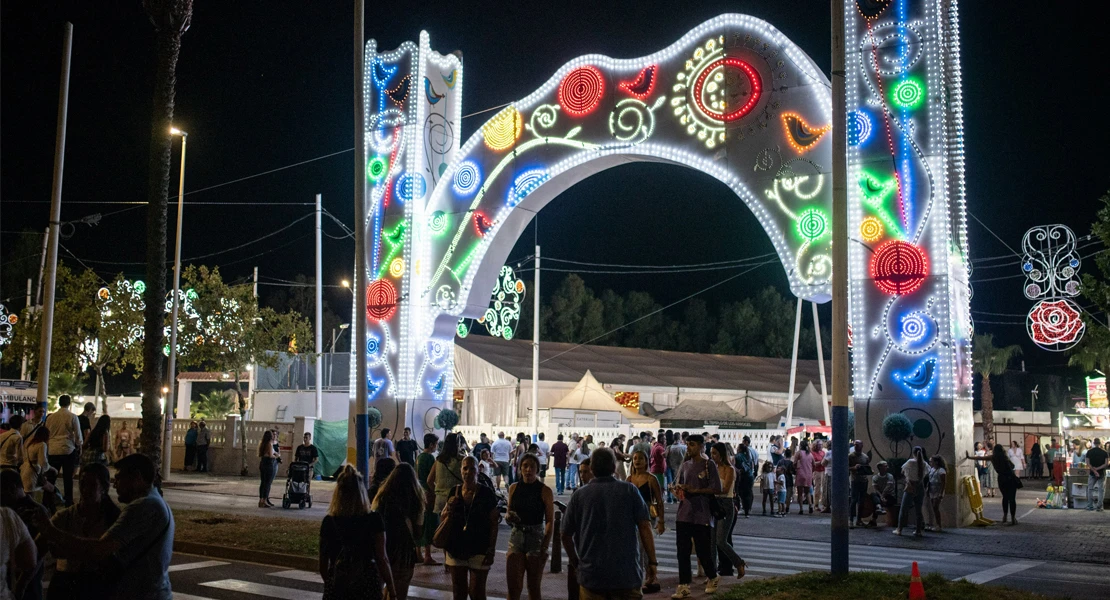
(397, 267)
(503, 130)
(871, 229)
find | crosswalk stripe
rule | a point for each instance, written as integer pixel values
(1001, 571)
(261, 589)
(821, 562)
(180, 596)
(415, 592)
(196, 565)
(308, 576)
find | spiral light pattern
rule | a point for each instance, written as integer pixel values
(381, 300)
(438, 224)
(899, 268)
(376, 168)
(581, 90)
(504, 129)
(467, 178)
(871, 229)
(914, 327)
(812, 224)
(907, 93)
(859, 127)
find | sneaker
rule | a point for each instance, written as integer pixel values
(683, 591)
(711, 585)
(898, 531)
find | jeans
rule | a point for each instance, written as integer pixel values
(202, 458)
(859, 488)
(572, 476)
(915, 499)
(65, 464)
(267, 468)
(560, 479)
(727, 558)
(689, 537)
(670, 479)
(1096, 488)
(746, 483)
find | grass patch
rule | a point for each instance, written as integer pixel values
(869, 586)
(266, 534)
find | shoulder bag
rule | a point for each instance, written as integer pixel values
(442, 536)
(715, 507)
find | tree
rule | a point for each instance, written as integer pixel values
(574, 315)
(300, 297)
(214, 405)
(64, 384)
(232, 333)
(988, 359)
(170, 19)
(1093, 351)
(110, 326)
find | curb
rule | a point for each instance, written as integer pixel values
(303, 563)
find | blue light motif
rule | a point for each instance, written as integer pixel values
(468, 177)
(921, 381)
(524, 184)
(859, 127)
(411, 185)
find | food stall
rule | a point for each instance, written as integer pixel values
(1079, 428)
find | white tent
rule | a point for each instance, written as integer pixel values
(808, 408)
(589, 396)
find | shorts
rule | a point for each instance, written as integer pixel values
(474, 563)
(503, 468)
(527, 540)
(782, 497)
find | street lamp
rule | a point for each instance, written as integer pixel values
(171, 395)
(335, 338)
(347, 284)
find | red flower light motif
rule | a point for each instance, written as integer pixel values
(1055, 325)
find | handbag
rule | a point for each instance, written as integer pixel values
(442, 536)
(715, 507)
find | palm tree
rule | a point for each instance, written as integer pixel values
(988, 359)
(65, 384)
(215, 405)
(170, 19)
(1093, 353)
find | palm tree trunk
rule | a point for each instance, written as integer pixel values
(242, 424)
(988, 409)
(101, 390)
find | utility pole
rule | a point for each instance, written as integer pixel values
(171, 395)
(51, 271)
(361, 422)
(821, 364)
(839, 545)
(536, 346)
(794, 366)
(319, 310)
(251, 377)
(23, 365)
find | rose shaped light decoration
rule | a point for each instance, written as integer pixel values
(1055, 325)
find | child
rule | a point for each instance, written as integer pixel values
(938, 476)
(767, 486)
(882, 491)
(788, 469)
(780, 488)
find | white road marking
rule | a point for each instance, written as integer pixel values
(180, 596)
(261, 589)
(1001, 571)
(308, 576)
(204, 564)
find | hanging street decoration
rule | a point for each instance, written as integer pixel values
(7, 327)
(501, 318)
(1051, 264)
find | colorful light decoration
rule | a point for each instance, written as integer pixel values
(871, 229)
(467, 178)
(813, 224)
(377, 168)
(801, 135)
(381, 300)
(919, 381)
(503, 130)
(581, 91)
(899, 268)
(1055, 325)
(411, 185)
(907, 93)
(524, 184)
(715, 89)
(1051, 266)
(859, 127)
(644, 84)
(7, 327)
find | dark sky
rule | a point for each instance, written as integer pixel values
(262, 85)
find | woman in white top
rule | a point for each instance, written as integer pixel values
(915, 471)
(1017, 456)
(36, 469)
(938, 480)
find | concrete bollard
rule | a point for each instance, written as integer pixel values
(556, 544)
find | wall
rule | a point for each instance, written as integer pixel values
(299, 404)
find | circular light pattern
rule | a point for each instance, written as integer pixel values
(504, 129)
(1032, 290)
(899, 268)
(1055, 325)
(907, 93)
(372, 345)
(859, 127)
(381, 300)
(915, 326)
(411, 185)
(438, 224)
(581, 90)
(377, 168)
(524, 184)
(140, 287)
(467, 178)
(871, 229)
(716, 90)
(397, 267)
(812, 224)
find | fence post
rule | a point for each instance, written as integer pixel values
(556, 544)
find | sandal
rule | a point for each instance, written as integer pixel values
(741, 569)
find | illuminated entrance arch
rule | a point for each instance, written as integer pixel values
(735, 99)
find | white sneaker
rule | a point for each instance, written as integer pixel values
(711, 585)
(898, 531)
(683, 591)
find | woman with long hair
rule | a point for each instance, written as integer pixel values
(618, 449)
(446, 473)
(353, 559)
(518, 453)
(36, 472)
(267, 468)
(915, 471)
(531, 515)
(1008, 481)
(98, 443)
(938, 478)
(472, 543)
(425, 462)
(1036, 462)
(983, 470)
(1017, 457)
(652, 494)
(91, 517)
(803, 476)
(726, 555)
(400, 502)
(383, 467)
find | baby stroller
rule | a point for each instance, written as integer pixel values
(297, 486)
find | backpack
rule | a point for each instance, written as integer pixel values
(381, 450)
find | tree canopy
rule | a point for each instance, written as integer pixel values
(1093, 351)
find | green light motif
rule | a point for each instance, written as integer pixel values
(376, 168)
(908, 93)
(875, 194)
(813, 224)
(395, 239)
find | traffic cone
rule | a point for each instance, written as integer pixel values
(917, 591)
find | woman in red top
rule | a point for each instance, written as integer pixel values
(658, 462)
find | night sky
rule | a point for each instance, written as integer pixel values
(262, 85)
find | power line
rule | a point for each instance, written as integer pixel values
(297, 164)
(706, 264)
(993, 233)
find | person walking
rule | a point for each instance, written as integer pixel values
(652, 493)
(1036, 461)
(383, 468)
(1096, 476)
(400, 502)
(36, 417)
(1017, 456)
(382, 448)
(657, 462)
(425, 462)
(407, 448)
(190, 445)
(803, 475)
(204, 439)
(85, 419)
(676, 454)
(36, 472)
(601, 523)
(727, 558)
(447, 471)
(915, 470)
(983, 471)
(544, 455)
(267, 468)
(92, 516)
(472, 516)
(1008, 481)
(65, 443)
(698, 484)
(307, 453)
(353, 559)
(18, 554)
(501, 450)
(98, 443)
(559, 452)
(519, 450)
(746, 460)
(938, 479)
(819, 492)
(531, 514)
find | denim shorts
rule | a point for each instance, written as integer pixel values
(782, 497)
(526, 539)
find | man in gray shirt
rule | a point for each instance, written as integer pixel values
(138, 547)
(602, 522)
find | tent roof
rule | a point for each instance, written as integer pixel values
(590, 395)
(640, 367)
(807, 405)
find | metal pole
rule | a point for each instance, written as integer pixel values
(251, 369)
(42, 266)
(319, 309)
(794, 367)
(820, 362)
(358, 281)
(839, 546)
(50, 273)
(23, 365)
(256, 282)
(171, 396)
(536, 346)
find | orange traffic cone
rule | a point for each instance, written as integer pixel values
(917, 591)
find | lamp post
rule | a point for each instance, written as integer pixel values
(171, 395)
(347, 284)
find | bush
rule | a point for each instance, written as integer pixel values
(447, 419)
(373, 417)
(897, 427)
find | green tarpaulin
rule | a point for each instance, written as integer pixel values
(330, 438)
